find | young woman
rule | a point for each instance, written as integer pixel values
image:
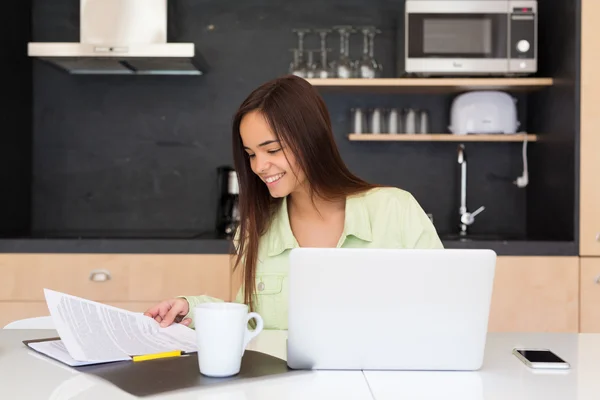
(295, 191)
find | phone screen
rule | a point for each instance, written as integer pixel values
(541, 356)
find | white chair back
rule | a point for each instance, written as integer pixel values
(32, 323)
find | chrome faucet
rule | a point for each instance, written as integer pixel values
(466, 218)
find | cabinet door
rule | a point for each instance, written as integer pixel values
(535, 294)
(589, 321)
(158, 277)
(98, 277)
(589, 195)
(114, 277)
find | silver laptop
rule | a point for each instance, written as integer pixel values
(371, 309)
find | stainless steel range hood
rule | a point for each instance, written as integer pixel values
(121, 37)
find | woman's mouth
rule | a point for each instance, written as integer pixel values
(273, 179)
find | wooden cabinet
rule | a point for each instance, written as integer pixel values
(535, 294)
(130, 281)
(531, 294)
(589, 194)
(589, 296)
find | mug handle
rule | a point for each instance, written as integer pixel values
(249, 335)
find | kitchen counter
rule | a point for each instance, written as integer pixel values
(517, 247)
(214, 245)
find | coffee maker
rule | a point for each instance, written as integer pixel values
(228, 215)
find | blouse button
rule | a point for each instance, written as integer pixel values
(261, 286)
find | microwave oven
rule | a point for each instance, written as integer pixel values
(469, 38)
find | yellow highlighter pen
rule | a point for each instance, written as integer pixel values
(167, 354)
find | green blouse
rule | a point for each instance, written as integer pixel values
(384, 218)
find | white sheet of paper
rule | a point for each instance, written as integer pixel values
(97, 332)
(56, 349)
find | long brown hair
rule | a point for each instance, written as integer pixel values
(299, 119)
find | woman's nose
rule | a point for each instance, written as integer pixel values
(262, 164)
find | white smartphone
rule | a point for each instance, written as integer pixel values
(540, 358)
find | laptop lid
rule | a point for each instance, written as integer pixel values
(387, 309)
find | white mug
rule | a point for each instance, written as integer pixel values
(222, 335)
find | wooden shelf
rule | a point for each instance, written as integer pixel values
(438, 137)
(438, 85)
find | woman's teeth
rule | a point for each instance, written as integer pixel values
(274, 178)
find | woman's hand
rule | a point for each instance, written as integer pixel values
(168, 311)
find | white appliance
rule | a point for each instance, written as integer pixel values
(469, 37)
(121, 37)
(389, 309)
(483, 112)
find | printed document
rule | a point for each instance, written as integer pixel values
(93, 333)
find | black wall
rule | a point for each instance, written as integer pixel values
(137, 156)
(15, 120)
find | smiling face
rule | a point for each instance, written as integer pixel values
(267, 156)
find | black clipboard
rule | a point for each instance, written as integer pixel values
(162, 375)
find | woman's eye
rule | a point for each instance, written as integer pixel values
(250, 155)
(273, 151)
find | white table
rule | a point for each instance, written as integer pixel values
(26, 375)
(503, 376)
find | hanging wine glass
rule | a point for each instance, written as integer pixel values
(300, 64)
(324, 69)
(365, 68)
(344, 66)
(376, 65)
(347, 47)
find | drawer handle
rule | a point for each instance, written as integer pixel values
(598, 237)
(100, 275)
(597, 280)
